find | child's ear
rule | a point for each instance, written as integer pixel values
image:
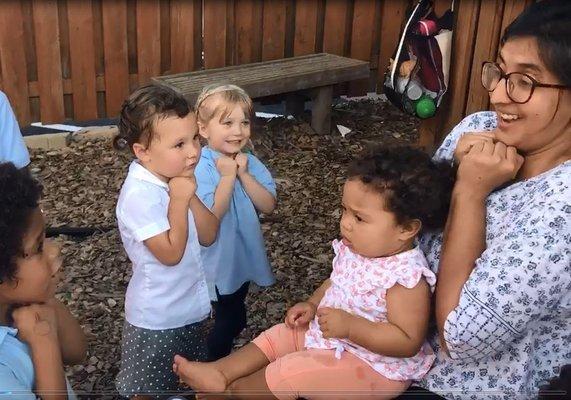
(202, 130)
(140, 152)
(410, 229)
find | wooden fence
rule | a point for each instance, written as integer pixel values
(79, 59)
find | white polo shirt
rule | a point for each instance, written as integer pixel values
(158, 296)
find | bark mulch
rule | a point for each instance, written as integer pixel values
(81, 184)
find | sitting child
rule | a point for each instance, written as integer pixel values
(38, 335)
(162, 223)
(362, 332)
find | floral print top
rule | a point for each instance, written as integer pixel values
(359, 286)
(511, 329)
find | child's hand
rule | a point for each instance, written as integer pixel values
(334, 323)
(226, 166)
(36, 321)
(300, 314)
(182, 187)
(242, 161)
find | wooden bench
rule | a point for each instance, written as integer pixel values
(316, 72)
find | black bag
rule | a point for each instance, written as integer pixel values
(417, 76)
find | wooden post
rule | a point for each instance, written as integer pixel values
(321, 110)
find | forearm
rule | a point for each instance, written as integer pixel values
(50, 381)
(263, 200)
(463, 244)
(178, 232)
(382, 338)
(206, 222)
(318, 294)
(71, 337)
(223, 195)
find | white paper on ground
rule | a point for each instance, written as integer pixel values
(343, 130)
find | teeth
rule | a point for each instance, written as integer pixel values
(509, 117)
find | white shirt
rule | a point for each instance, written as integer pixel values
(510, 332)
(158, 296)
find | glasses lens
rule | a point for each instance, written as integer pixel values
(491, 75)
(519, 87)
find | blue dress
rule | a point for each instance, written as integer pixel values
(239, 254)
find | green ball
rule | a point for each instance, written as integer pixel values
(425, 107)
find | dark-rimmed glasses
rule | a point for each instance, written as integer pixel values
(519, 86)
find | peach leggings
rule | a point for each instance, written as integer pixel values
(315, 374)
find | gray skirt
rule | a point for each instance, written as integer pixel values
(147, 358)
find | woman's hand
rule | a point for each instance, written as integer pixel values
(300, 314)
(470, 139)
(334, 322)
(486, 166)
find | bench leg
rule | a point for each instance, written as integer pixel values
(321, 111)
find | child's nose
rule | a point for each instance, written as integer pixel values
(52, 251)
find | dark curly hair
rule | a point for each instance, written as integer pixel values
(142, 108)
(19, 197)
(414, 186)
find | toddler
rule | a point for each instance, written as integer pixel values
(362, 332)
(236, 186)
(162, 222)
(38, 335)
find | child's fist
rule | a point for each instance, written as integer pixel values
(300, 314)
(182, 187)
(242, 161)
(34, 322)
(226, 166)
(333, 322)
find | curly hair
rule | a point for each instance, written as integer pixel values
(142, 109)
(414, 186)
(19, 196)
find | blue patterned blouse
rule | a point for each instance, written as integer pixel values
(511, 329)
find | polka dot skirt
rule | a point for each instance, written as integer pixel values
(147, 358)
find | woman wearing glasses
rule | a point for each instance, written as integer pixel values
(503, 298)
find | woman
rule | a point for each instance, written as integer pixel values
(503, 298)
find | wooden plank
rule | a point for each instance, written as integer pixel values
(466, 17)
(305, 27)
(165, 36)
(362, 39)
(185, 42)
(148, 40)
(63, 28)
(393, 14)
(82, 54)
(273, 44)
(215, 31)
(248, 31)
(29, 42)
(98, 38)
(114, 13)
(49, 60)
(485, 48)
(13, 59)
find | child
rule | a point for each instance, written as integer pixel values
(38, 335)
(235, 186)
(362, 332)
(162, 223)
(12, 145)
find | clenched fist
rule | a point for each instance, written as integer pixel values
(226, 166)
(182, 187)
(300, 314)
(35, 322)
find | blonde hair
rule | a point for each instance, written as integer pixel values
(230, 94)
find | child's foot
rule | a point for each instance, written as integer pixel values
(201, 377)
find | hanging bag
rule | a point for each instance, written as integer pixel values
(417, 76)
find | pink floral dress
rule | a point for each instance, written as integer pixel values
(359, 286)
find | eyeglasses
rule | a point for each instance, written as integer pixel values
(519, 86)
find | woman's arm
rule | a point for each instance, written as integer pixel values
(483, 168)
(70, 334)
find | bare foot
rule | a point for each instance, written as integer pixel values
(201, 377)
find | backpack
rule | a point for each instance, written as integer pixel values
(417, 76)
